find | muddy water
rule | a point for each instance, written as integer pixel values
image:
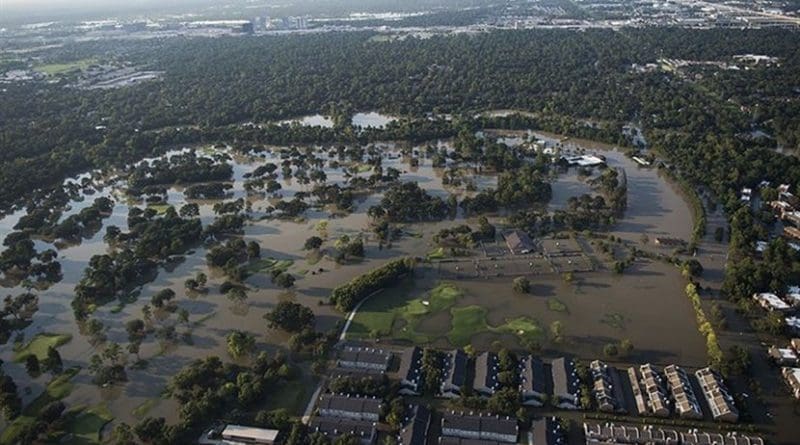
(653, 207)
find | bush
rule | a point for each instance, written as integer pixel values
(521, 285)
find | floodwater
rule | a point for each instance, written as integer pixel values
(653, 207)
(372, 119)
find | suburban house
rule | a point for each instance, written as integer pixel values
(566, 388)
(518, 242)
(654, 390)
(771, 302)
(350, 407)
(686, 404)
(792, 378)
(415, 431)
(716, 393)
(487, 368)
(364, 358)
(334, 427)
(455, 375)
(783, 356)
(606, 392)
(410, 372)
(533, 381)
(480, 427)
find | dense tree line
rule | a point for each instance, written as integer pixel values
(347, 295)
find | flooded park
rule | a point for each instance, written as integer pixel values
(593, 305)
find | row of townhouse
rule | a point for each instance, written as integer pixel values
(606, 387)
(610, 433)
(649, 391)
(479, 427)
(340, 414)
(680, 386)
(719, 399)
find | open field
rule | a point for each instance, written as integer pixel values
(54, 69)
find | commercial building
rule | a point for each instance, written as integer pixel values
(716, 394)
(471, 426)
(455, 375)
(566, 386)
(350, 407)
(518, 242)
(238, 434)
(487, 368)
(533, 381)
(410, 371)
(364, 358)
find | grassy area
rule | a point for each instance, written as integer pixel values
(380, 313)
(292, 396)
(556, 305)
(161, 209)
(53, 69)
(436, 254)
(86, 423)
(267, 265)
(471, 320)
(141, 411)
(58, 388)
(615, 320)
(39, 344)
(467, 321)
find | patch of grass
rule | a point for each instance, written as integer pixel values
(58, 388)
(86, 423)
(39, 344)
(161, 209)
(523, 327)
(467, 321)
(379, 314)
(436, 254)
(267, 265)
(615, 320)
(53, 69)
(141, 411)
(556, 305)
(291, 396)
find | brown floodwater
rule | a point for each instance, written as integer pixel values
(649, 297)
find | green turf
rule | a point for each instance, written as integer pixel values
(161, 209)
(53, 69)
(267, 265)
(141, 411)
(436, 254)
(556, 305)
(467, 321)
(58, 388)
(615, 320)
(382, 312)
(39, 344)
(86, 423)
(523, 327)
(291, 396)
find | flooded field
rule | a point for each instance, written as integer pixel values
(601, 308)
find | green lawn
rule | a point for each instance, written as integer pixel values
(267, 265)
(39, 344)
(86, 423)
(53, 69)
(58, 388)
(292, 396)
(141, 411)
(556, 305)
(436, 254)
(379, 314)
(471, 320)
(467, 321)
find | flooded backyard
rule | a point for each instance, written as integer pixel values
(600, 307)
